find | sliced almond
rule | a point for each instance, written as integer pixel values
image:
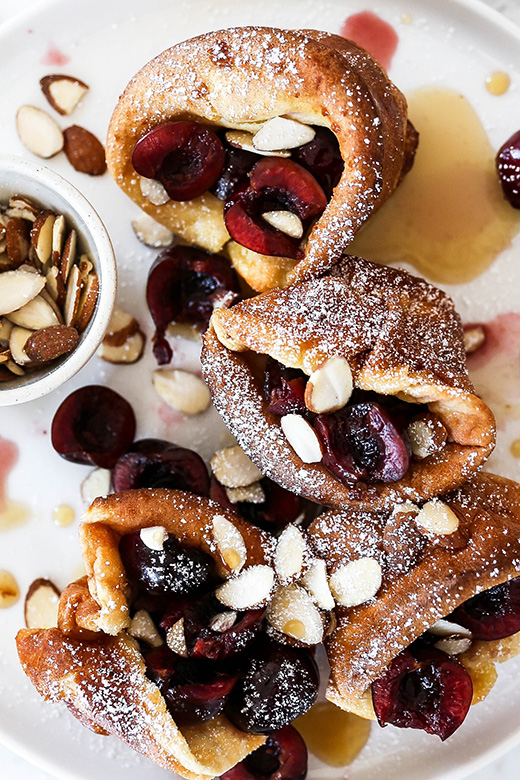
(181, 390)
(150, 232)
(444, 628)
(251, 494)
(241, 139)
(316, 582)
(85, 267)
(17, 341)
(41, 236)
(302, 438)
(47, 297)
(290, 554)
(35, 314)
(281, 133)
(96, 484)
(475, 337)
(121, 326)
(38, 132)
(68, 255)
(72, 296)
(230, 544)
(129, 352)
(223, 621)
(426, 435)
(453, 645)
(63, 92)
(5, 330)
(233, 468)
(14, 368)
(356, 582)
(50, 343)
(330, 386)
(285, 221)
(154, 537)
(176, 639)
(142, 627)
(20, 206)
(87, 302)
(84, 151)
(293, 612)
(55, 286)
(405, 508)
(41, 605)
(436, 517)
(58, 235)
(181, 330)
(5, 355)
(250, 589)
(153, 191)
(17, 241)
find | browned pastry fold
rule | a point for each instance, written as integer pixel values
(484, 551)
(401, 337)
(97, 670)
(241, 77)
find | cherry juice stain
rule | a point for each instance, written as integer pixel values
(12, 513)
(54, 56)
(372, 33)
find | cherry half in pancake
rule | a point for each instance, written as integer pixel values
(93, 425)
(186, 157)
(234, 174)
(284, 389)
(508, 169)
(322, 158)
(492, 614)
(156, 463)
(275, 184)
(283, 757)
(184, 285)
(423, 688)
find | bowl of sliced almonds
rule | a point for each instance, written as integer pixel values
(57, 280)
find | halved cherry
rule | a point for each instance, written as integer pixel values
(284, 389)
(508, 169)
(156, 463)
(492, 614)
(276, 184)
(322, 158)
(423, 688)
(184, 285)
(186, 157)
(93, 425)
(361, 442)
(279, 508)
(236, 167)
(282, 757)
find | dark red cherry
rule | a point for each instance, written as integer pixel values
(184, 285)
(282, 757)
(279, 508)
(156, 463)
(93, 425)
(275, 184)
(173, 570)
(237, 166)
(492, 614)
(508, 169)
(186, 157)
(279, 684)
(322, 158)
(160, 664)
(423, 688)
(204, 642)
(362, 442)
(284, 389)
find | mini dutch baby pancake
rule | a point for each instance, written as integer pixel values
(273, 145)
(164, 643)
(350, 389)
(428, 601)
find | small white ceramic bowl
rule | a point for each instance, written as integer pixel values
(19, 176)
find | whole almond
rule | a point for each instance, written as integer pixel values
(84, 151)
(49, 343)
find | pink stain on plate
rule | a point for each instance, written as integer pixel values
(502, 338)
(54, 56)
(8, 458)
(372, 33)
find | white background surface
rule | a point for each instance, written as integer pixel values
(14, 768)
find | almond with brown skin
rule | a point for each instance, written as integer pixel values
(63, 92)
(41, 235)
(84, 151)
(17, 241)
(50, 343)
(87, 302)
(41, 604)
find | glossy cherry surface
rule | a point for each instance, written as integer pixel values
(492, 614)
(93, 425)
(186, 157)
(236, 167)
(282, 757)
(284, 389)
(508, 168)
(322, 158)
(156, 463)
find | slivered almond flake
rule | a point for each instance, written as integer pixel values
(176, 639)
(63, 92)
(244, 140)
(154, 537)
(285, 221)
(9, 590)
(356, 582)
(436, 517)
(153, 191)
(41, 604)
(230, 544)
(316, 582)
(250, 589)
(302, 438)
(72, 296)
(96, 484)
(142, 627)
(150, 232)
(453, 645)
(17, 342)
(129, 352)
(293, 612)
(181, 390)
(68, 256)
(41, 236)
(223, 621)
(35, 314)
(251, 494)
(444, 628)
(330, 386)
(233, 468)
(281, 133)
(290, 554)
(39, 132)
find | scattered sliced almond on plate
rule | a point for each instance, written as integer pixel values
(9, 590)
(39, 132)
(97, 483)
(41, 604)
(150, 232)
(63, 92)
(182, 390)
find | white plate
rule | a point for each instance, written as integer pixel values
(455, 44)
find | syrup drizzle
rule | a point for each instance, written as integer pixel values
(448, 218)
(372, 33)
(12, 513)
